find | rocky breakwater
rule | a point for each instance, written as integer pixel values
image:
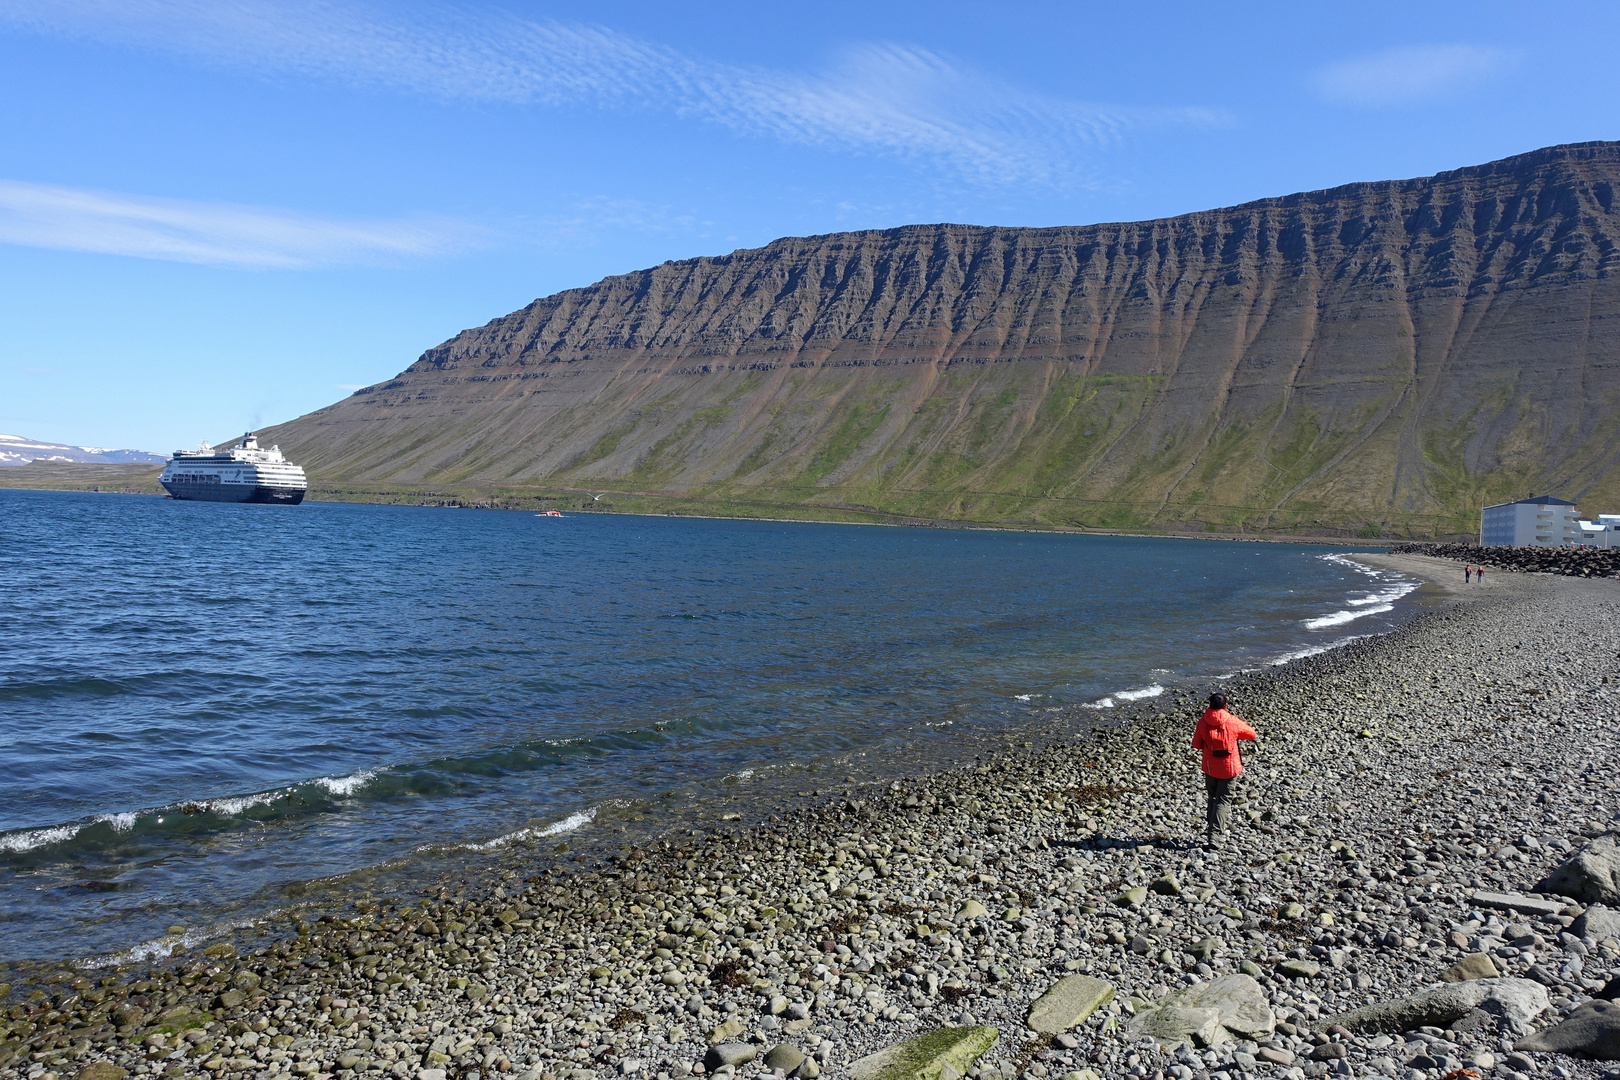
(1045, 911)
(1570, 562)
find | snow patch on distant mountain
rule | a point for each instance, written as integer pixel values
(16, 450)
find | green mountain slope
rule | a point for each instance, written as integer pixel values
(1381, 358)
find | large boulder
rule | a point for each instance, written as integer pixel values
(1592, 876)
(941, 1054)
(102, 1070)
(1240, 1008)
(732, 1054)
(1067, 1002)
(1516, 1001)
(1592, 1030)
(1174, 1025)
(1475, 966)
(785, 1057)
(1598, 922)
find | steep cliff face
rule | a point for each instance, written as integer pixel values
(1392, 354)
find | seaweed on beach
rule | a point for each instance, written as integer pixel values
(1096, 794)
(728, 973)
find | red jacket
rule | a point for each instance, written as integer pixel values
(1217, 736)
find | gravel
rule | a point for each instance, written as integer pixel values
(1472, 752)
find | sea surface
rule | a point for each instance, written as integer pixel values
(213, 713)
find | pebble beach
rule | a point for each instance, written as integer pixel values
(1410, 793)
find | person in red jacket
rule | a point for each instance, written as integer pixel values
(1217, 735)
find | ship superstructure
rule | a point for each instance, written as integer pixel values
(240, 473)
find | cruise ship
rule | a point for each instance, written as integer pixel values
(241, 473)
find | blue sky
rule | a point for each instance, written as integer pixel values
(217, 214)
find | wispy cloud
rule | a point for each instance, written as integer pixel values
(1410, 74)
(181, 230)
(878, 98)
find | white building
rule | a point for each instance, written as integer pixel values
(1539, 521)
(1602, 533)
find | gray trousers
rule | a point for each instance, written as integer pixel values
(1218, 817)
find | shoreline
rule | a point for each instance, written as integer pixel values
(894, 520)
(127, 926)
(831, 905)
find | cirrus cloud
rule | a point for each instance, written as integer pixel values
(891, 99)
(1410, 74)
(184, 230)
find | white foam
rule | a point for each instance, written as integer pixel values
(163, 947)
(38, 838)
(1137, 695)
(1022, 697)
(1345, 560)
(745, 774)
(1373, 603)
(570, 823)
(1314, 650)
(566, 825)
(1339, 618)
(232, 807)
(1101, 703)
(346, 785)
(119, 822)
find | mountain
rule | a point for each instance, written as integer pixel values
(16, 450)
(1379, 358)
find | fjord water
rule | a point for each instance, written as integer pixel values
(206, 708)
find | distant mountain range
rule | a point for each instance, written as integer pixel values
(1376, 359)
(16, 450)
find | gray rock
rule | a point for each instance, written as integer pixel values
(1068, 1002)
(1592, 1030)
(927, 1056)
(1238, 1004)
(1244, 1007)
(1475, 1021)
(1175, 1025)
(102, 1070)
(1477, 966)
(1300, 969)
(730, 1053)
(784, 1057)
(1597, 923)
(1592, 876)
(1514, 1000)
(1526, 905)
(726, 1032)
(1205, 948)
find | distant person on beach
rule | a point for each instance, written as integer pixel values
(1217, 735)
(1467, 570)
(1479, 574)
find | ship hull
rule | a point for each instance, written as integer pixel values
(235, 493)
